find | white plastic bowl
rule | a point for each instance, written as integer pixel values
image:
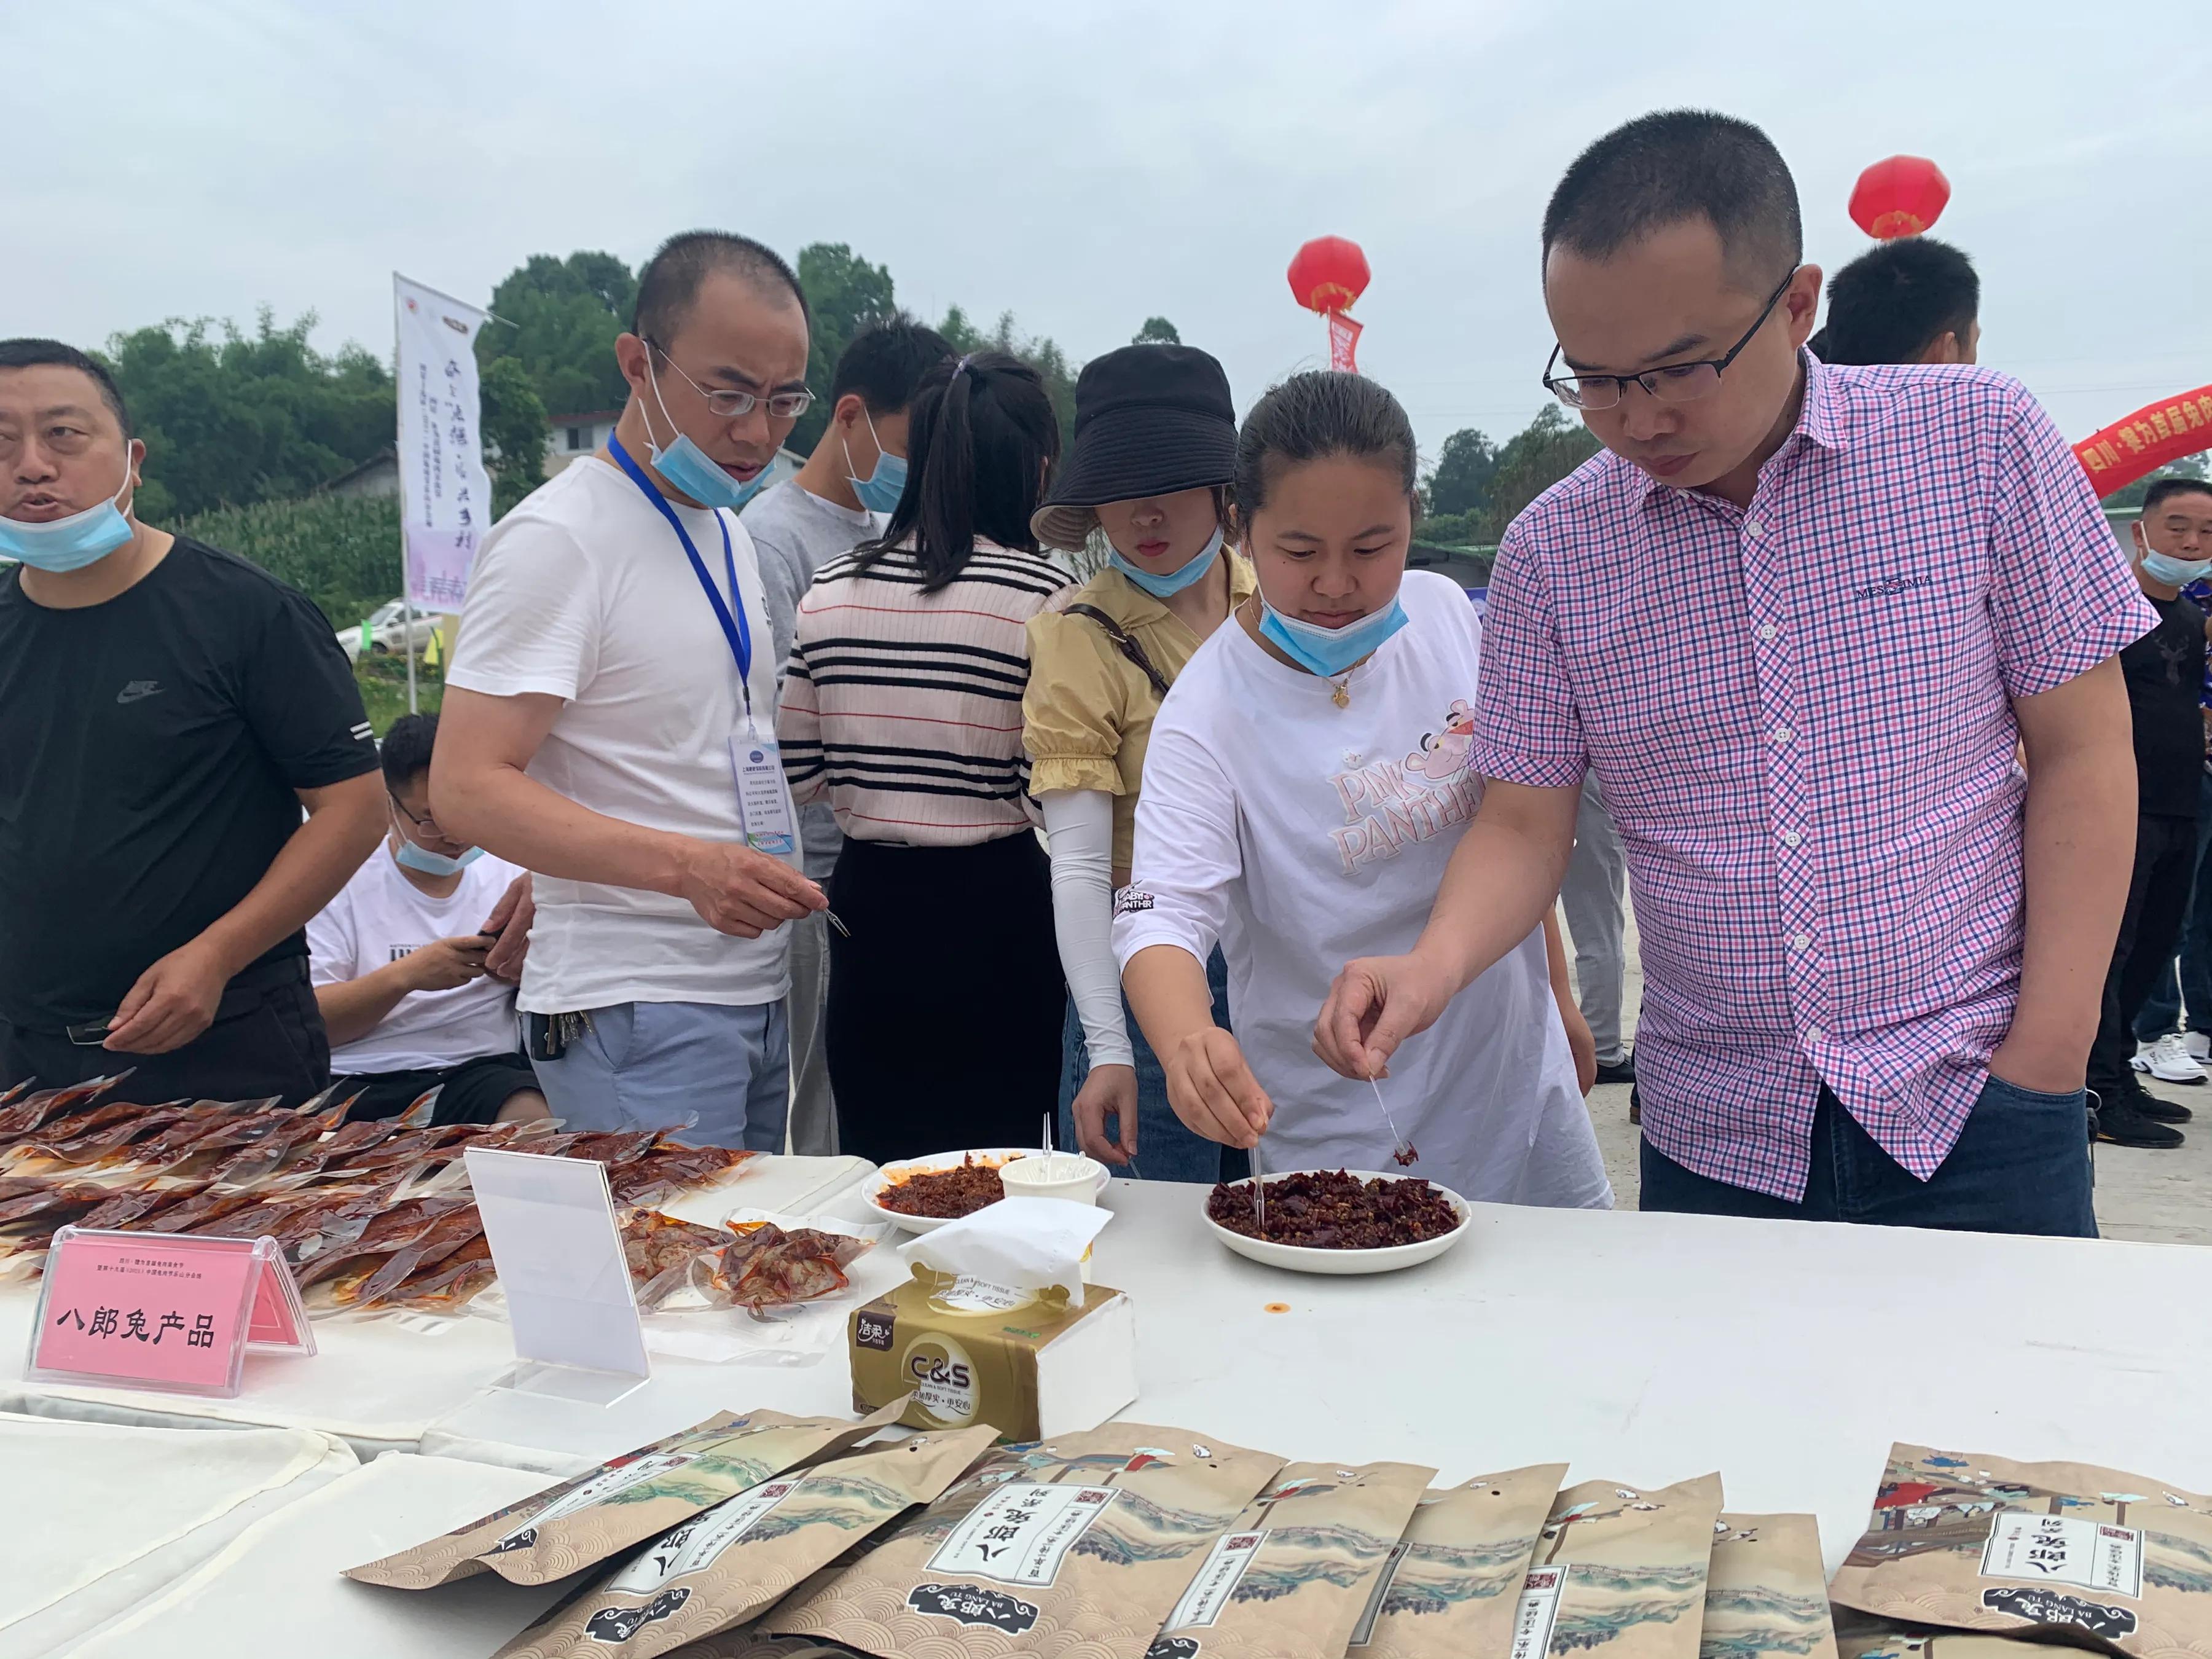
(922, 1223)
(1305, 1259)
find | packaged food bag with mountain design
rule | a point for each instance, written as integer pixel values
(1075, 1548)
(1454, 1581)
(2066, 1552)
(1766, 1595)
(1622, 1570)
(625, 1501)
(1291, 1578)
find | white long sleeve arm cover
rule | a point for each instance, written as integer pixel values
(1079, 825)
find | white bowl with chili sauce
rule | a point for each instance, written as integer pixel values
(1309, 1259)
(891, 1175)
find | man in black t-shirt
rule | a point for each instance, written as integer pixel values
(2164, 672)
(166, 711)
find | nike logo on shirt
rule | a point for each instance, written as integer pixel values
(137, 689)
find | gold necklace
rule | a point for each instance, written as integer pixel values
(1340, 693)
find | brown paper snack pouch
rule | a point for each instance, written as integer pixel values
(1622, 1569)
(746, 1644)
(1863, 1635)
(1454, 1578)
(1291, 1578)
(2066, 1552)
(1766, 1595)
(1075, 1548)
(625, 1501)
(721, 1567)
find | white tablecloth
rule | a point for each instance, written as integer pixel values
(277, 1588)
(377, 1383)
(99, 1516)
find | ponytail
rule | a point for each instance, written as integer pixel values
(981, 436)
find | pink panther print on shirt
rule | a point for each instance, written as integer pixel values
(1393, 803)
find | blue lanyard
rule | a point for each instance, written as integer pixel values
(735, 630)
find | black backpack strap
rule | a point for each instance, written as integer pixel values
(1127, 646)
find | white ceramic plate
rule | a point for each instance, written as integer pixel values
(923, 1223)
(1304, 1259)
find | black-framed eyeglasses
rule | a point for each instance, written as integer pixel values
(729, 405)
(1670, 383)
(424, 824)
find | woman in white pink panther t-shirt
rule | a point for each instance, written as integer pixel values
(1306, 786)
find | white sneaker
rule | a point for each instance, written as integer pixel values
(2168, 1059)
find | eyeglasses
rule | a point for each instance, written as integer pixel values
(1670, 383)
(729, 405)
(425, 825)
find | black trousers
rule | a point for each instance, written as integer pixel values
(2150, 928)
(474, 1091)
(943, 1014)
(267, 1039)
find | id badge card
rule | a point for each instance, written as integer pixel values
(763, 803)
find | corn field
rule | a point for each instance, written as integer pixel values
(342, 552)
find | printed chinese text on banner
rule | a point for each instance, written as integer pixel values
(445, 496)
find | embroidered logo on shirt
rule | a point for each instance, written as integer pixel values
(1130, 901)
(137, 689)
(1890, 587)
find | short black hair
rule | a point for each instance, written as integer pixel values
(1893, 303)
(1677, 164)
(406, 748)
(2164, 490)
(669, 281)
(885, 362)
(982, 432)
(1314, 415)
(32, 353)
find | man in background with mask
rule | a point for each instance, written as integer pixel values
(2173, 546)
(610, 722)
(167, 711)
(842, 497)
(397, 959)
(1796, 619)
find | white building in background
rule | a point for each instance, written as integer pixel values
(571, 437)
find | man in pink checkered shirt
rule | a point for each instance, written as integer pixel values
(1795, 620)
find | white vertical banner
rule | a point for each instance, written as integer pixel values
(445, 496)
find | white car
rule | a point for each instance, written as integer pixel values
(388, 632)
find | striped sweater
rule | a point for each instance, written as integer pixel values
(905, 708)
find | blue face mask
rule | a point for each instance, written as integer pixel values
(689, 467)
(2167, 571)
(1176, 580)
(426, 862)
(1329, 650)
(881, 491)
(70, 544)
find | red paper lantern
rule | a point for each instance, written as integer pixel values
(1328, 274)
(2152, 436)
(1901, 196)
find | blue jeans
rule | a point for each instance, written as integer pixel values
(650, 1065)
(1166, 1150)
(2021, 1165)
(2162, 1011)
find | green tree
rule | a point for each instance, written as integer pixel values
(1462, 473)
(1533, 460)
(564, 316)
(231, 418)
(1044, 355)
(844, 295)
(1157, 330)
(2131, 500)
(513, 427)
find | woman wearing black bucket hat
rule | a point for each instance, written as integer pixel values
(1155, 448)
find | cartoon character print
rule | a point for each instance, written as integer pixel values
(1443, 754)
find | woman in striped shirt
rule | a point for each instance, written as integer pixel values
(902, 707)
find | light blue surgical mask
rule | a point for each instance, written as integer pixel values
(70, 544)
(1329, 650)
(1174, 582)
(426, 862)
(689, 467)
(2168, 571)
(879, 492)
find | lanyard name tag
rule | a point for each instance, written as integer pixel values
(763, 804)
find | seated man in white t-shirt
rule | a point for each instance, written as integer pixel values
(397, 962)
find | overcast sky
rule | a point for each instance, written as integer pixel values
(1086, 165)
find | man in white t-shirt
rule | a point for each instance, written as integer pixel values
(397, 960)
(609, 720)
(842, 497)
